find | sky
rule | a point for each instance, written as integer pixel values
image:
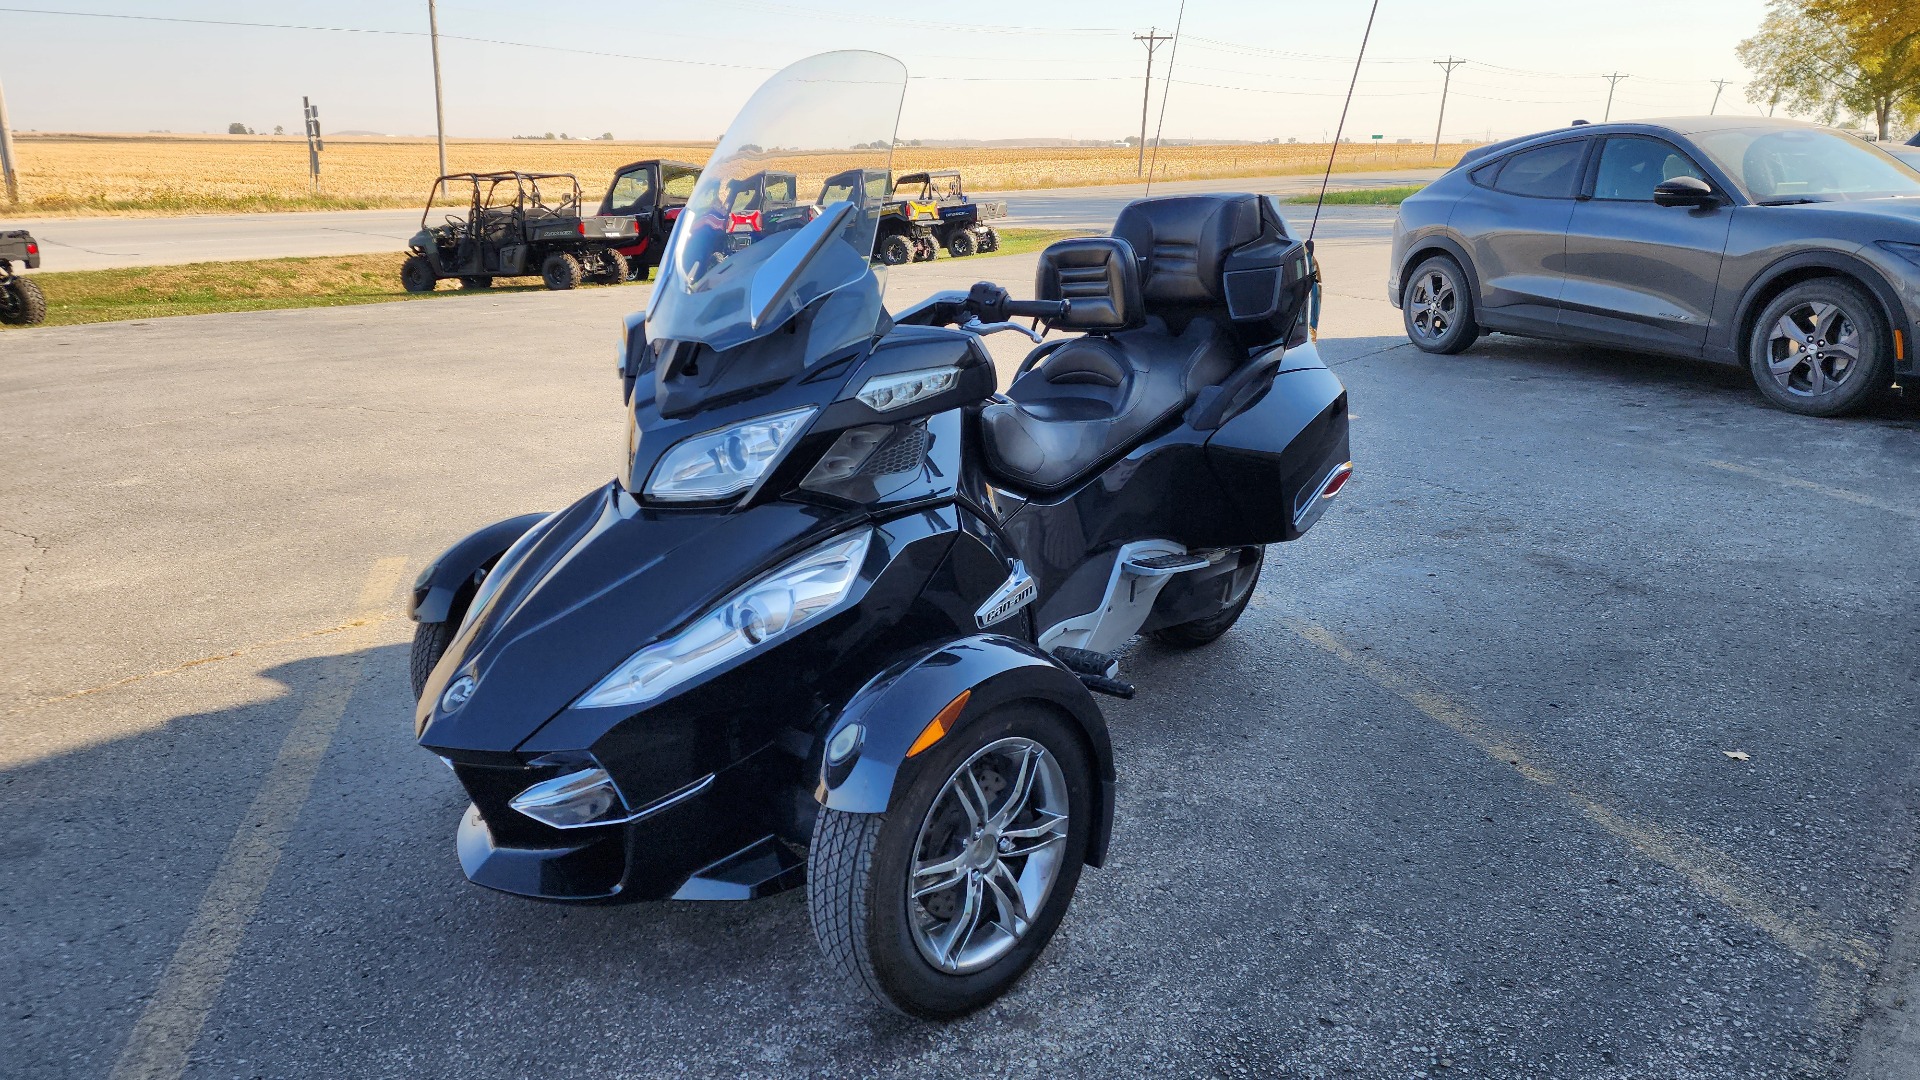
(987, 69)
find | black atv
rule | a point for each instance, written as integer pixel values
(21, 301)
(955, 221)
(510, 229)
(653, 193)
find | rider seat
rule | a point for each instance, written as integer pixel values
(1151, 303)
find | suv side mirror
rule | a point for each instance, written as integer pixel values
(1684, 191)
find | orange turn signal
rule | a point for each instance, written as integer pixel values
(1899, 346)
(937, 728)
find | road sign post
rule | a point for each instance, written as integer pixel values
(315, 144)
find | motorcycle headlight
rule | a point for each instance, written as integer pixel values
(725, 462)
(805, 590)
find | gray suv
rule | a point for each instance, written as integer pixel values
(1788, 248)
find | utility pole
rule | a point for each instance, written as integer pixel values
(7, 176)
(1449, 63)
(1152, 40)
(1613, 81)
(439, 112)
(1719, 86)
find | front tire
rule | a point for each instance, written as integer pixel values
(430, 641)
(24, 304)
(416, 274)
(961, 244)
(1821, 349)
(1436, 307)
(561, 271)
(938, 906)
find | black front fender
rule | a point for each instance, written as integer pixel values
(896, 706)
(458, 569)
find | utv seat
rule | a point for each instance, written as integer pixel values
(1151, 303)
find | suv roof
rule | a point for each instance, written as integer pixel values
(1679, 125)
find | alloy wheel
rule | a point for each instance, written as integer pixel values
(989, 851)
(1432, 304)
(1813, 348)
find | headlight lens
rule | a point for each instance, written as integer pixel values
(1909, 252)
(804, 590)
(886, 392)
(725, 462)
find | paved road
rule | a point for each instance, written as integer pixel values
(98, 243)
(1453, 800)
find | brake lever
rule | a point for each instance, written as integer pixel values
(973, 325)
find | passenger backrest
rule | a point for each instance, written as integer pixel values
(1099, 276)
(1183, 243)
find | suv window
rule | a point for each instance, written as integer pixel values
(1546, 173)
(1631, 166)
(630, 193)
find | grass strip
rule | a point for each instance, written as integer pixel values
(1373, 196)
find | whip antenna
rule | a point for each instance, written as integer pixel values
(1165, 89)
(1337, 132)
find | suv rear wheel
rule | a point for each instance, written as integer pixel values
(1436, 304)
(1821, 349)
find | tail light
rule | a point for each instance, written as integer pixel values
(1336, 481)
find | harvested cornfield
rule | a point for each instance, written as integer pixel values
(175, 174)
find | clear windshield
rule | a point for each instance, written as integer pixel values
(1777, 165)
(765, 186)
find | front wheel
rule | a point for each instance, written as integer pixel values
(430, 641)
(961, 244)
(1436, 306)
(416, 274)
(1820, 349)
(936, 907)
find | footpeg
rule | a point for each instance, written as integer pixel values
(1087, 662)
(1100, 684)
(1164, 565)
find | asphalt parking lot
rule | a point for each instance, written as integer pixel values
(1578, 740)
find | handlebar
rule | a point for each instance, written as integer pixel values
(989, 303)
(1037, 309)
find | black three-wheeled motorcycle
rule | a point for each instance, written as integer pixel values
(841, 617)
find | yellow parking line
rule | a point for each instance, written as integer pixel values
(1713, 872)
(1830, 492)
(171, 1023)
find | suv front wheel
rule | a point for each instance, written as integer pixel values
(1821, 349)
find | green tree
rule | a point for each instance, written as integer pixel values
(1825, 57)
